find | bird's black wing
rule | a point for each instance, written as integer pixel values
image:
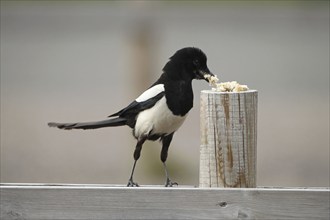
(147, 100)
(136, 107)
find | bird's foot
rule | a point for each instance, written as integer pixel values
(131, 183)
(169, 183)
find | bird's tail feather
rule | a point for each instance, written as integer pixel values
(90, 125)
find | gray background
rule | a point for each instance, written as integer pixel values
(80, 61)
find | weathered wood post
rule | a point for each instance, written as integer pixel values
(228, 150)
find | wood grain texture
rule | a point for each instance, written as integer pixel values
(228, 151)
(109, 202)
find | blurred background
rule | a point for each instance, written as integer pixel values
(79, 61)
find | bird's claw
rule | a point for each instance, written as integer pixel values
(169, 183)
(132, 184)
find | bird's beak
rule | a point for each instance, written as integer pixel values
(204, 72)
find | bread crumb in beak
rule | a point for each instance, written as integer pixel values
(211, 79)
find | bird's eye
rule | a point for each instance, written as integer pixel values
(196, 62)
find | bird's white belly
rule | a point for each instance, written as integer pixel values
(157, 120)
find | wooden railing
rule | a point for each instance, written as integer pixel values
(42, 201)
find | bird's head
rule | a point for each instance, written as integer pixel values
(188, 63)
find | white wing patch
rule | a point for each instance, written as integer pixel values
(150, 93)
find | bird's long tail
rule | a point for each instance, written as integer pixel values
(112, 122)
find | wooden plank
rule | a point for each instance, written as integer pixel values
(109, 202)
(228, 139)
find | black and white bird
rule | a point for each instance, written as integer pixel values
(159, 111)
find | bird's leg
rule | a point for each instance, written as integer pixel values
(131, 183)
(137, 154)
(168, 182)
(163, 156)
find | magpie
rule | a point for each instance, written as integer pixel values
(159, 111)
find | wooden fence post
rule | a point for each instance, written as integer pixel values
(228, 150)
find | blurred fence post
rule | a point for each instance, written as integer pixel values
(228, 150)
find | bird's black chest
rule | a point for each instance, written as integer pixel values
(179, 97)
